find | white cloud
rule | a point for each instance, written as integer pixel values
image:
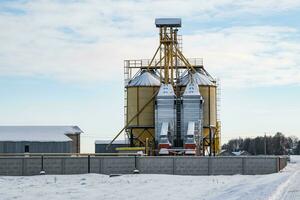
(249, 56)
(88, 40)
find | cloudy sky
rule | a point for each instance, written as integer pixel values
(61, 62)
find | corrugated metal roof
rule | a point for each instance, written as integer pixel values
(166, 90)
(108, 141)
(197, 77)
(38, 133)
(144, 79)
(170, 22)
(191, 89)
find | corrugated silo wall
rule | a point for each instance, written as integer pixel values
(36, 147)
(137, 98)
(208, 94)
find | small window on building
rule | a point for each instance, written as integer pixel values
(26, 150)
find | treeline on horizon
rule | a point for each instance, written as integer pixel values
(268, 145)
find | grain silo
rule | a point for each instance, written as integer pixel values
(171, 69)
(208, 90)
(139, 90)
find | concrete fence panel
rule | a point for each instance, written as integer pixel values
(32, 166)
(76, 165)
(225, 165)
(117, 165)
(95, 165)
(54, 165)
(191, 165)
(260, 165)
(11, 166)
(156, 165)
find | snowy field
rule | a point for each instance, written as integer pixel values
(283, 185)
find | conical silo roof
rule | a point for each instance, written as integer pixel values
(144, 79)
(197, 77)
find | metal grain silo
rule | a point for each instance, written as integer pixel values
(208, 91)
(140, 90)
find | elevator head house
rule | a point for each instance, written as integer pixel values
(40, 139)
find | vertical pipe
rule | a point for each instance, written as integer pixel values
(166, 72)
(160, 55)
(210, 143)
(209, 123)
(171, 55)
(138, 105)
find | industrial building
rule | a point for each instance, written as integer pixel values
(171, 102)
(100, 146)
(40, 139)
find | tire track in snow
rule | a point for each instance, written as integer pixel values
(290, 189)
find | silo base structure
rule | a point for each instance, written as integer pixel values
(185, 120)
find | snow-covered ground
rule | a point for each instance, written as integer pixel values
(283, 185)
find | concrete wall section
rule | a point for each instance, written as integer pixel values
(117, 165)
(191, 165)
(54, 165)
(225, 166)
(18, 166)
(156, 165)
(76, 165)
(260, 165)
(32, 166)
(11, 166)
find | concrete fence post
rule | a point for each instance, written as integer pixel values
(89, 163)
(42, 165)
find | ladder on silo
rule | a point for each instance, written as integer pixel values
(178, 117)
(218, 83)
(126, 80)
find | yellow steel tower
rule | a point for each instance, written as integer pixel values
(168, 66)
